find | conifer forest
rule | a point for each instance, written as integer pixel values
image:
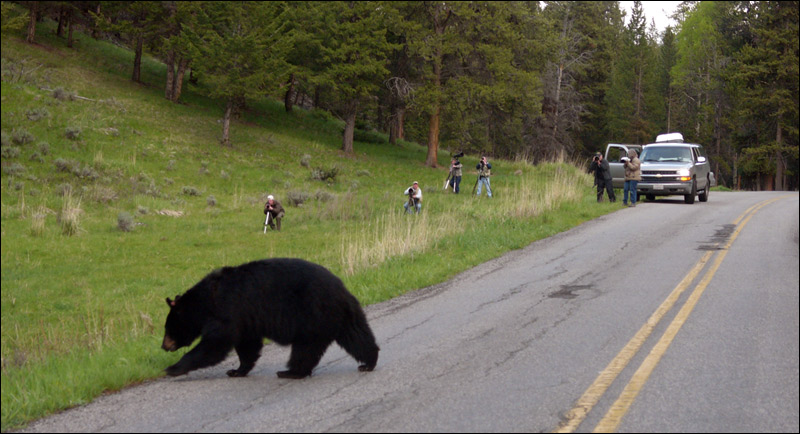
(526, 80)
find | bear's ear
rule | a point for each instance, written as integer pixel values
(171, 303)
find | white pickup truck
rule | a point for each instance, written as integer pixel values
(669, 167)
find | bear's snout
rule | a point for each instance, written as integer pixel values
(169, 344)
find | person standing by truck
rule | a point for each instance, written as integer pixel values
(602, 177)
(633, 174)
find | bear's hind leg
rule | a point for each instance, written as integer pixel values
(359, 342)
(305, 357)
(249, 352)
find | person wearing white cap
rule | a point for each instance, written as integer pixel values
(414, 194)
(275, 209)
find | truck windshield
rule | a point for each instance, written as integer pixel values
(667, 153)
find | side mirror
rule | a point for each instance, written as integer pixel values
(701, 159)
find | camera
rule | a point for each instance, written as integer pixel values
(596, 158)
(459, 155)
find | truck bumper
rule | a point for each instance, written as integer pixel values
(664, 188)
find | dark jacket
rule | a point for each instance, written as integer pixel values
(602, 171)
(277, 208)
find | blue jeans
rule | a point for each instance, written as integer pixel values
(417, 205)
(482, 181)
(455, 182)
(630, 186)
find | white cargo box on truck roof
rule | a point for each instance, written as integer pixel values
(670, 138)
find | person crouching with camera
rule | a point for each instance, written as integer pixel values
(414, 194)
(275, 209)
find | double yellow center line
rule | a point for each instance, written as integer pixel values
(590, 398)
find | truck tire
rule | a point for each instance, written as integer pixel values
(704, 195)
(689, 198)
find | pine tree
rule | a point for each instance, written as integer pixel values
(239, 49)
(768, 70)
(355, 51)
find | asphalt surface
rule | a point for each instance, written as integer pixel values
(511, 345)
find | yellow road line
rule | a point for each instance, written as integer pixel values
(613, 417)
(593, 394)
(597, 389)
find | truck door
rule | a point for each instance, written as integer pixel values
(613, 155)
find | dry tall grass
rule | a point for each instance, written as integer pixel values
(38, 220)
(70, 215)
(529, 198)
(394, 234)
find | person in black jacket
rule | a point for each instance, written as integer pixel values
(602, 177)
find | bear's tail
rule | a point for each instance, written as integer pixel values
(357, 339)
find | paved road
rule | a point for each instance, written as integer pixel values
(663, 317)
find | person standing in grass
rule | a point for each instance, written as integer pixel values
(484, 172)
(414, 194)
(455, 174)
(275, 209)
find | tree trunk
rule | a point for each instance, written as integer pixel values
(62, 16)
(554, 135)
(288, 101)
(33, 11)
(169, 87)
(393, 131)
(70, 40)
(433, 129)
(137, 60)
(226, 123)
(349, 129)
(183, 63)
(398, 112)
(95, 27)
(439, 26)
(433, 138)
(779, 169)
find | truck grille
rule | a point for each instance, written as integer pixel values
(659, 176)
(660, 172)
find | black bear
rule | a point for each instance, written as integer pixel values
(290, 301)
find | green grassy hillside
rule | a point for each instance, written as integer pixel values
(113, 198)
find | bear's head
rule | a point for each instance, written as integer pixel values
(181, 328)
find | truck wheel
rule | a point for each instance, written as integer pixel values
(689, 198)
(704, 195)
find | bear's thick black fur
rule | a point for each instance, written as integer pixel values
(290, 301)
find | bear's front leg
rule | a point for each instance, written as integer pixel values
(208, 352)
